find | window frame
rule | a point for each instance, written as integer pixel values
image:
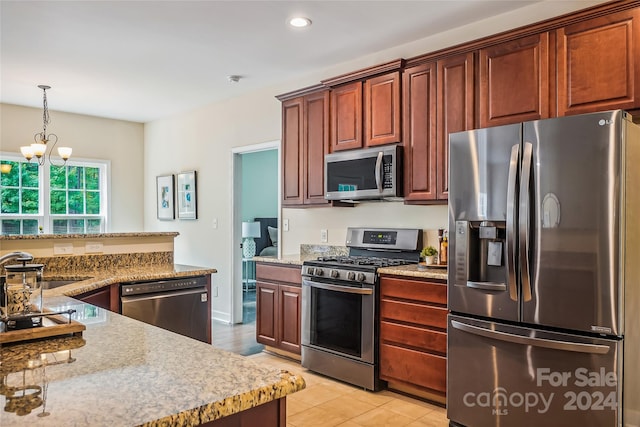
(44, 217)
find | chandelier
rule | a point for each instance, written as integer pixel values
(39, 147)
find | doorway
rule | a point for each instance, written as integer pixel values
(255, 194)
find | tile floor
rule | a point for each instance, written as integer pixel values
(325, 402)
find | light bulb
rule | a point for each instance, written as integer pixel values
(65, 152)
(27, 152)
(39, 149)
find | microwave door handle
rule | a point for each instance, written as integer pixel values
(511, 221)
(379, 171)
(524, 218)
(532, 341)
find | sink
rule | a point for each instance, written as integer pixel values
(52, 284)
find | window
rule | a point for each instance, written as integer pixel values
(69, 199)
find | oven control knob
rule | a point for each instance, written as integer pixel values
(319, 272)
(310, 271)
(360, 277)
(334, 274)
(351, 275)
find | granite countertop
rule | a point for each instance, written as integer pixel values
(285, 259)
(96, 279)
(90, 236)
(416, 270)
(123, 372)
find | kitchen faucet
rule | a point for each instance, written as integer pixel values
(15, 255)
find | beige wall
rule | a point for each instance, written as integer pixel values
(203, 140)
(118, 141)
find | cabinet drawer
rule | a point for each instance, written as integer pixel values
(421, 338)
(413, 313)
(430, 292)
(279, 274)
(414, 367)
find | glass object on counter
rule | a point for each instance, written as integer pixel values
(22, 296)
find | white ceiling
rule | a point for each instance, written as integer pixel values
(144, 60)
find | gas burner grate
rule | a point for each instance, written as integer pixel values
(364, 261)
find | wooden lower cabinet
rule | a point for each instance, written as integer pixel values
(413, 335)
(270, 414)
(107, 298)
(278, 305)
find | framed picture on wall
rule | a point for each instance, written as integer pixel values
(165, 197)
(187, 195)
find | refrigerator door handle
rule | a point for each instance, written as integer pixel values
(511, 222)
(536, 342)
(524, 213)
(379, 171)
(487, 286)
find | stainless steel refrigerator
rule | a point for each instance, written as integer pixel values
(544, 274)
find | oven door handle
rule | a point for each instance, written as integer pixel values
(337, 288)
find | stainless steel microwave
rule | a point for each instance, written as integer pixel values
(370, 173)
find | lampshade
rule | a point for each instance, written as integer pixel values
(250, 229)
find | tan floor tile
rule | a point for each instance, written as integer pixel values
(381, 418)
(349, 423)
(316, 417)
(346, 406)
(433, 419)
(375, 399)
(317, 394)
(413, 409)
(295, 406)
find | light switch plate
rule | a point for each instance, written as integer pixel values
(63, 249)
(324, 236)
(285, 225)
(93, 247)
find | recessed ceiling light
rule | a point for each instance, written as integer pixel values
(300, 22)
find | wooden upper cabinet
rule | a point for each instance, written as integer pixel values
(305, 141)
(315, 146)
(598, 64)
(382, 109)
(455, 110)
(419, 132)
(514, 81)
(292, 136)
(346, 117)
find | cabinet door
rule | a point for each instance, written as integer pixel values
(419, 101)
(290, 298)
(100, 298)
(292, 134)
(316, 146)
(346, 117)
(266, 313)
(383, 124)
(514, 81)
(598, 64)
(455, 108)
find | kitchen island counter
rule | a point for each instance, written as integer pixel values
(415, 270)
(122, 372)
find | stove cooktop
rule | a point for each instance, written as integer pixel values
(377, 262)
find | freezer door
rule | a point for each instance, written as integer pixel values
(499, 375)
(483, 177)
(569, 222)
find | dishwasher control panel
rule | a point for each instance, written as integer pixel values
(148, 287)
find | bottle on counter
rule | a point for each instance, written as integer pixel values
(444, 246)
(440, 239)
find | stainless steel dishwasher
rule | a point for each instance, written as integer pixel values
(178, 305)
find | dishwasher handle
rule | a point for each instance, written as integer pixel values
(159, 286)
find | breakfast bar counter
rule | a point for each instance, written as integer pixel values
(122, 372)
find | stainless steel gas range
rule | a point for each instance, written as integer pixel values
(340, 303)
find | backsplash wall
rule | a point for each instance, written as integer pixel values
(305, 224)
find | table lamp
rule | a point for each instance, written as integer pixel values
(250, 230)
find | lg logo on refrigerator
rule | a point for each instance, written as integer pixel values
(603, 122)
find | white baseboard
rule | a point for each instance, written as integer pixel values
(221, 316)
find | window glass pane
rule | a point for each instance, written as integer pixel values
(92, 178)
(10, 179)
(58, 202)
(10, 200)
(30, 226)
(10, 226)
(58, 177)
(29, 201)
(93, 202)
(75, 177)
(76, 202)
(60, 226)
(30, 173)
(93, 226)
(76, 226)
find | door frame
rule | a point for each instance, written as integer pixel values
(235, 295)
